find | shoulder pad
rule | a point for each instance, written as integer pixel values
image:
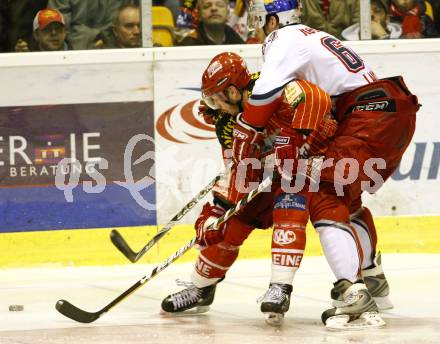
(293, 94)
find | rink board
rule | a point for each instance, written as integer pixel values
(83, 109)
(187, 155)
(93, 247)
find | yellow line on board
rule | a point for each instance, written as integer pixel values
(93, 247)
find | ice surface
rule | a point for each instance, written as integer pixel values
(234, 317)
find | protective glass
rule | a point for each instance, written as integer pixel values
(256, 15)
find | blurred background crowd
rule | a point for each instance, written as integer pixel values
(49, 25)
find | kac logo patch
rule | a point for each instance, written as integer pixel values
(283, 237)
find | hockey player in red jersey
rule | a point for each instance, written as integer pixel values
(376, 119)
(226, 84)
(220, 248)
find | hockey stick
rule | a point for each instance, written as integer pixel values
(77, 314)
(122, 245)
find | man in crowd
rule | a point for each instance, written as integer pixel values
(49, 32)
(126, 29)
(212, 28)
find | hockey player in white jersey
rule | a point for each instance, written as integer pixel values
(361, 102)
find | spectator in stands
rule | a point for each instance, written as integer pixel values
(88, 20)
(381, 28)
(126, 29)
(16, 22)
(49, 32)
(187, 18)
(412, 15)
(331, 16)
(212, 28)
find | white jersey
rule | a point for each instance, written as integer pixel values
(300, 52)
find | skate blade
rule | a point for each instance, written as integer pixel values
(274, 319)
(383, 303)
(366, 320)
(192, 311)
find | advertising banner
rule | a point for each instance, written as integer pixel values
(77, 166)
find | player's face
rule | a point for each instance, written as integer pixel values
(213, 11)
(228, 100)
(233, 95)
(128, 29)
(51, 38)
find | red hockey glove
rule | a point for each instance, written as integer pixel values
(246, 140)
(318, 140)
(228, 189)
(210, 213)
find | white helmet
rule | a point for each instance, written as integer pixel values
(287, 11)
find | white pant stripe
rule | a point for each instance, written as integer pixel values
(286, 250)
(212, 264)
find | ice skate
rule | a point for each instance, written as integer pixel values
(357, 310)
(376, 283)
(191, 300)
(275, 302)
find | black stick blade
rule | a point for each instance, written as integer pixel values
(74, 313)
(122, 245)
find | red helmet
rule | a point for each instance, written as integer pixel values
(225, 69)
